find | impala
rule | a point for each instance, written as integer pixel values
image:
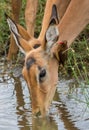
(62, 22)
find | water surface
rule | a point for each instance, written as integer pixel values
(68, 110)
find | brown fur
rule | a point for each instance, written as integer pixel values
(41, 93)
(73, 18)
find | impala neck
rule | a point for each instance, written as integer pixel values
(74, 20)
(30, 15)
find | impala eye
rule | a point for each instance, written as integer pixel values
(42, 75)
(36, 46)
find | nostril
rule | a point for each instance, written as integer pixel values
(38, 114)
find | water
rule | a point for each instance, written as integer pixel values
(66, 112)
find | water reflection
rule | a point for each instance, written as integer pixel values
(65, 115)
(44, 124)
(15, 105)
(21, 110)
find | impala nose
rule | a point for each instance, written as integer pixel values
(41, 112)
(38, 114)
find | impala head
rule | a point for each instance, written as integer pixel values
(41, 65)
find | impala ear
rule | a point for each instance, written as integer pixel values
(52, 32)
(52, 35)
(54, 16)
(20, 35)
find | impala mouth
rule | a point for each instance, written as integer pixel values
(41, 114)
(38, 114)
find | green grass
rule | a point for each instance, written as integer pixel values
(77, 65)
(78, 59)
(78, 56)
(3, 25)
(4, 30)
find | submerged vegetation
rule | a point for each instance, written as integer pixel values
(77, 65)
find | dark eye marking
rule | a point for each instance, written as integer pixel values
(36, 46)
(30, 62)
